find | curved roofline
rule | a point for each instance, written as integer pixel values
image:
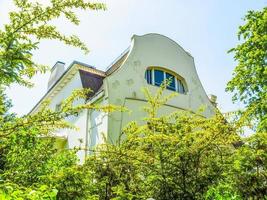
(173, 41)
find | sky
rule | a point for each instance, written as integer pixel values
(207, 29)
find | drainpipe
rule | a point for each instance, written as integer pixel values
(86, 134)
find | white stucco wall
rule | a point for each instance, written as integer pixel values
(97, 126)
(74, 137)
(129, 79)
(123, 87)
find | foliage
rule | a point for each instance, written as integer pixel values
(222, 191)
(180, 155)
(246, 177)
(175, 156)
(29, 24)
(75, 183)
(249, 172)
(29, 161)
(249, 82)
(12, 191)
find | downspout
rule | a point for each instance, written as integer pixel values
(86, 149)
(106, 80)
(88, 123)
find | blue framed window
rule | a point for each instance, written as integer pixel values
(171, 85)
(157, 76)
(149, 76)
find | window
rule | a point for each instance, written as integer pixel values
(180, 87)
(171, 78)
(149, 76)
(157, 76)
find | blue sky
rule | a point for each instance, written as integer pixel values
(206, 29)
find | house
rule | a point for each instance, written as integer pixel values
(149, 60)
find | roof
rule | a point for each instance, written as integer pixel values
(85, 72)
(91, 81)
(118, 62)
(90, 76)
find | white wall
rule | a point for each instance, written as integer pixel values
(97, 127)
(74, 137)
(123, 88)
(127, 81)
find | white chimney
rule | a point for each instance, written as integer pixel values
(56, 71)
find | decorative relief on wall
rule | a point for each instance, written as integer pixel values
(115, 84)
(136, 65)
(130, 82)
(134, 94)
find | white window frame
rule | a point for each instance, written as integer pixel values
(177, 84)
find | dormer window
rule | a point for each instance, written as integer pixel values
(155, 76)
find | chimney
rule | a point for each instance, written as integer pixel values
(56, 71)
(213, 99)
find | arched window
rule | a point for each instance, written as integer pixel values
(155, 76)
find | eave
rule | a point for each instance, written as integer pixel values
(69, 73)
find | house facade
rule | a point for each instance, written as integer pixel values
(148, 61)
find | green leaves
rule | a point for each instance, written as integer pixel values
(249, 82)
(29, 24)
(176, 156)
(11, 191)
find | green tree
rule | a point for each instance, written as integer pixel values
(246, 177)
(29, 24)
(249, 82)
(176, 156)
(30, 164)
(250, 167)
(181, 155)
(30, 161)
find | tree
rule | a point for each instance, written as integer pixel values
(176, 156)
(246, 177)
(28, 161)
(249, 82)
(179, 156)
(249, 172)
(28, 26)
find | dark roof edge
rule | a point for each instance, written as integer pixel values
(118, 58)
(65, 72)
(78, 63)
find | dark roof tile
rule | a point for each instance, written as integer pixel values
(91, 81)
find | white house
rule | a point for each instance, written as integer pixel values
(149, 60)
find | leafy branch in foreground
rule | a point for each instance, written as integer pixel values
(179, 155)
(249, 82)
(174, 156)
(47, 120)
(30, 24)
(30, 161)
